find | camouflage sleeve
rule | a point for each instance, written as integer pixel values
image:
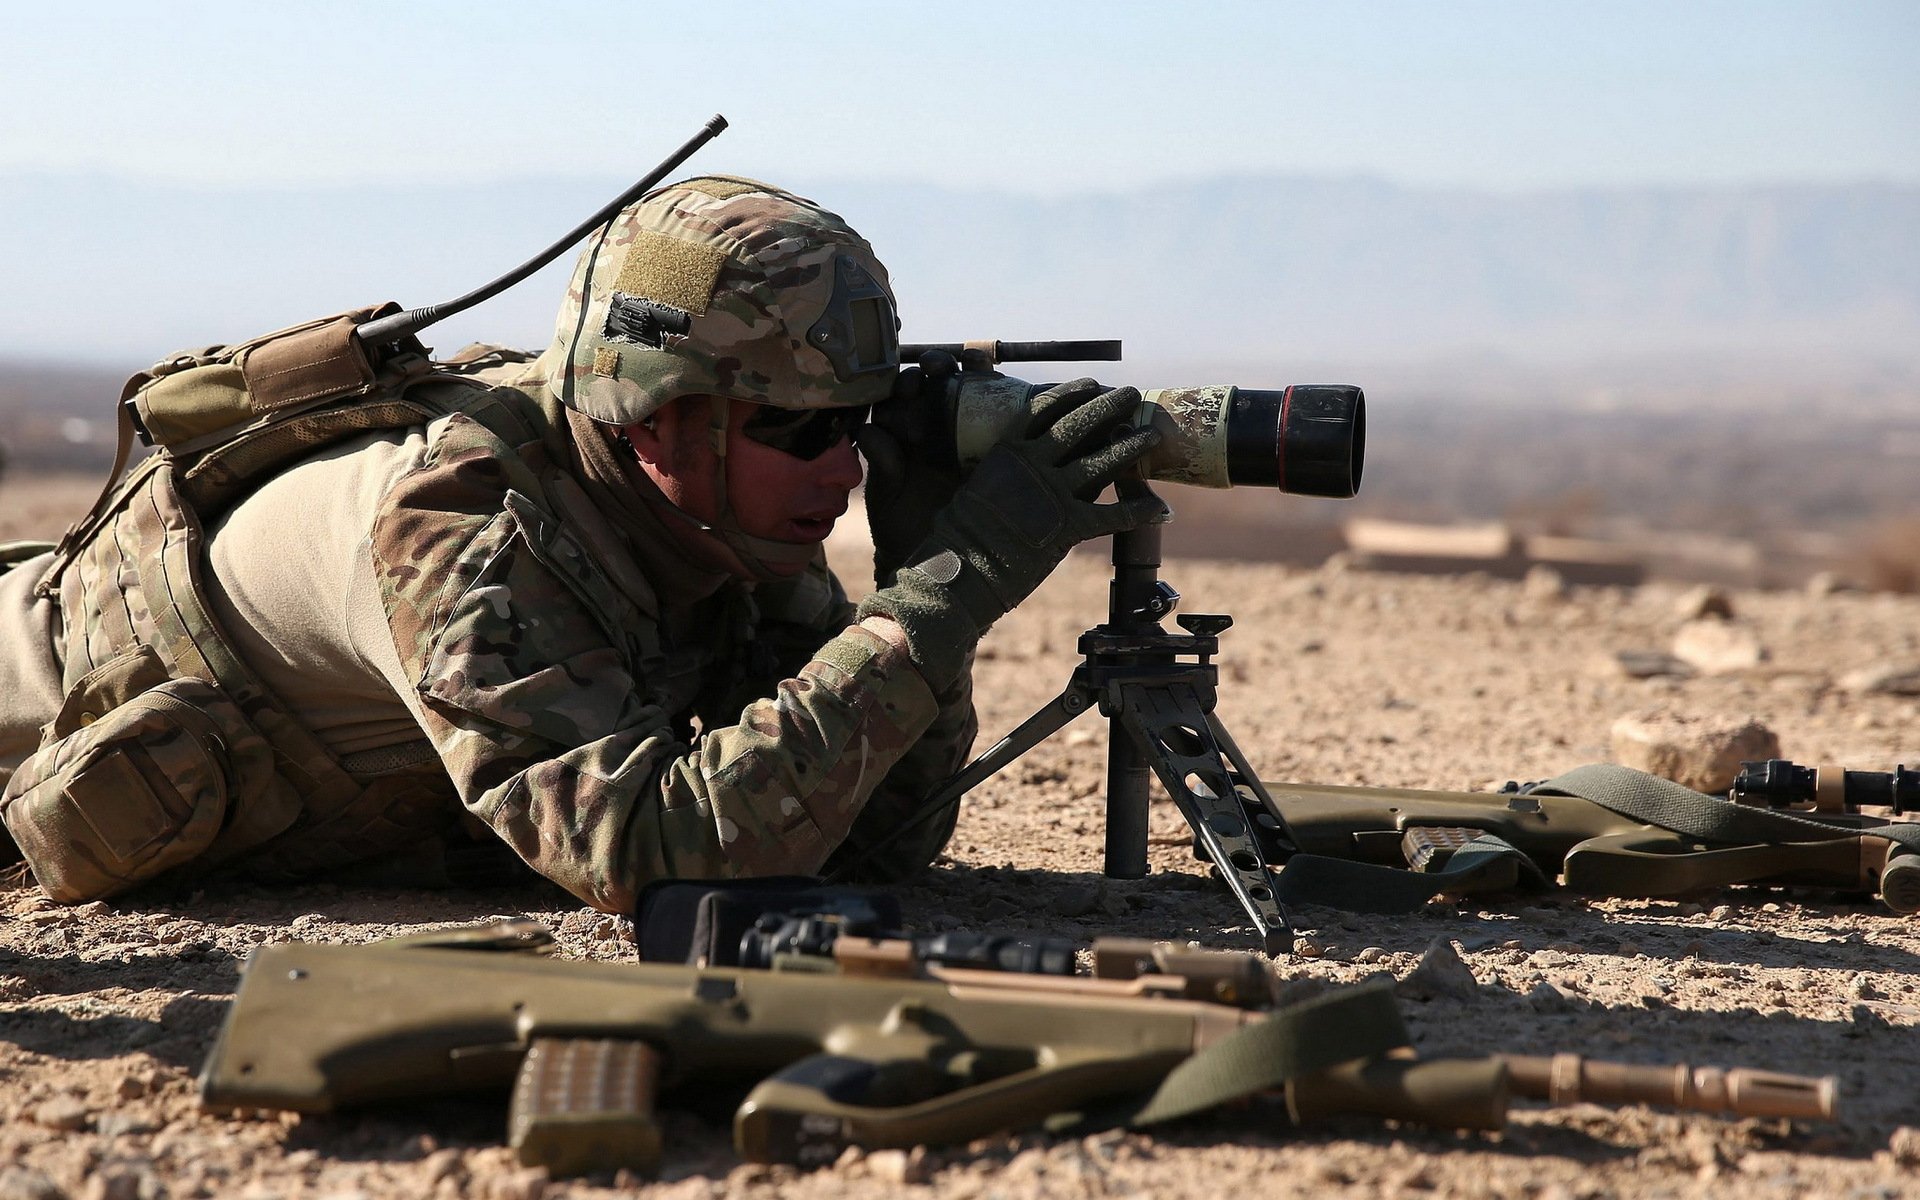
(797, 617)
(528, 694)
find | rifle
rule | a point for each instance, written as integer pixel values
(862, 1042)
(1781, 824)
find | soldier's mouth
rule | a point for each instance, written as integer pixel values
(811, 529)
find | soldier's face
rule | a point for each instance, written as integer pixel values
(771, 494)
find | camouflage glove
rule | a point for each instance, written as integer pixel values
(1027, 503)
(910, 477)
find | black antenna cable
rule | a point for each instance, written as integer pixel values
(388, 330)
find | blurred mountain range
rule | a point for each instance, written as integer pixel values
(1228, 276)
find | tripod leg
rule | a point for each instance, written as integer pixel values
(1276, 840)
(1129, 784)
(1174, 731)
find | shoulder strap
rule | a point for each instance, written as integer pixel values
(1704, 818)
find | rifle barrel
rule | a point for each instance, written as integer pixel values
(1571, 1079)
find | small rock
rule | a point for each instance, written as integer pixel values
(900, 1166)
(1080, 899)
(1543, 583)
(1905, 1145)
(1440, 974)
(1718, 647)
(528, 1184)
(25, 1183)
(1308, 948)
(998, 908)
(124, 1180)
(440, 1165)
(1697, 752)
(1548, 958)
(1885, 679)
(124, 1124)
(1861, 987)
(130, 1087)
(1547, 996)
(1705, 600)
(1370, 954)
(1644, 664)
(62, 1113)
(1822, 584)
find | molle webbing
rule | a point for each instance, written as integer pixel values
(133, 573)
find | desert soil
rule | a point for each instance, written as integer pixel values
(107, 1010)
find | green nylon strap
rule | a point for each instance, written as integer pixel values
(1361, 1021)
(1705, 818)
(1486, 863)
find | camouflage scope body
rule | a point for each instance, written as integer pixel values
(1308, 439)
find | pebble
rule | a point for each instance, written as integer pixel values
(1862, 987)
(1308, 948)
(62, 1113)
(528, 1184)
(440, 1164)
(1644, 664)
(25, 1183)
(125, 1124)
(1548, 996)
(123, 1180)
(900, 1166)
(1718, 647)
(1885, 679)
(1548, 958)
(1905, 1146)
(1440, 974)
(1370, 954)
(1705, 600)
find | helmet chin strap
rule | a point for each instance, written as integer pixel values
(757, 558)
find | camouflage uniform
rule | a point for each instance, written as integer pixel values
(611, 712)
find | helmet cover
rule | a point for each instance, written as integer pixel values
(725, 287)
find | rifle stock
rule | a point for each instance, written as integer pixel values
(1591, 849)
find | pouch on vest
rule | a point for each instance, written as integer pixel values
(173, 775)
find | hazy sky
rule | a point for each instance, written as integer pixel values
(1035, 96)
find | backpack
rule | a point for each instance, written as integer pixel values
(168, 752)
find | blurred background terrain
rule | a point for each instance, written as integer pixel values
(1638, 280)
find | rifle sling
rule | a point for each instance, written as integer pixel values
(1370, 888)
(1703, 818)
(1349, 1023)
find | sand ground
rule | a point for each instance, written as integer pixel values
(106, 1011)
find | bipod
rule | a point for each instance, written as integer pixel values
(1157, 691)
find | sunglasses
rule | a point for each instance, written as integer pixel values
(805, 433)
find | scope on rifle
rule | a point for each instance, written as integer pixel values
(1308, 439)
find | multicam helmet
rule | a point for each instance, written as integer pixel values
(726, 287)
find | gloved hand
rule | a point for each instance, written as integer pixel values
(1029, 501)
(910, 476)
